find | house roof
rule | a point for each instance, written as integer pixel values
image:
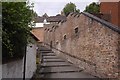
(45, 15)
(34, 36)
(56, 18)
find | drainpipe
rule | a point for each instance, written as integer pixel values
(24, 66)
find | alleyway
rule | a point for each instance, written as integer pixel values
(54, 67)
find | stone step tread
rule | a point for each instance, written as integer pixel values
(50, 64)
(42, 66)
(56, 63)
(47, 51)
(59, 69)
(58, 72)
(69, 75)
(48, 54)
(53, 60)
(43, 48)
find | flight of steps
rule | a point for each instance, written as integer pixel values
(54, 67)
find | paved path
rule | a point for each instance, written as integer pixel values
(54, 67)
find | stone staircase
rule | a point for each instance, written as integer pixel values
(54, 67)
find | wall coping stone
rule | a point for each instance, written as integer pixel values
(107, 24)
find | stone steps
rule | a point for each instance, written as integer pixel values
(62, 69)
(74, 75)
(53, 60)
(54, 67)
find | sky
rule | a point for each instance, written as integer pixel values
(54, 7)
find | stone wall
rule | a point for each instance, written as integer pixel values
(14, 69)
(87, 42)
(119, 14)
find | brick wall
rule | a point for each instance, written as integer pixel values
(39, 33)
(119, 13)
(88, 42)
(112, 9)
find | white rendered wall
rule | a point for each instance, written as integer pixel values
(14, 69)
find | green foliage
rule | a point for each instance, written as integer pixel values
(70, 7)
(93, 8)
(16, 16)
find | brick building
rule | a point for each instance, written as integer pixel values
(50, 19)
(39, 33)
(41, 21)
(111, 10)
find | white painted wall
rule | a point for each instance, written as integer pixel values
(40, 24)
(30, 60)
(0, 71)
(15, 69)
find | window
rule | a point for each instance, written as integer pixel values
(57, 42)
(76, 30)
(65, 36)
(48, 30)
(52, 27)
(51, 30)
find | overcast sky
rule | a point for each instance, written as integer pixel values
(54, 7)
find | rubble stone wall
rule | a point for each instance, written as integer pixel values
(88, 42)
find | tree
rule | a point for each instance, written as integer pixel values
(70, 7)
(16, 16)
(93, 8)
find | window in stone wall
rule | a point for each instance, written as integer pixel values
(57, 42)
(51, 30)
(76, 30)
(48, 30)
(65, 36)
(53, 27)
